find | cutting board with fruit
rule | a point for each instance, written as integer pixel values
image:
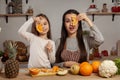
(34, 72)
(41, 72)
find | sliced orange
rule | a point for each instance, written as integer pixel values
(74, 20)
(39, 27)
(55, 68)
(34, 71)
(44, 70)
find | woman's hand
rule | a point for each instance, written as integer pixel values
(84, 17)
(49, 47)
(69, 63)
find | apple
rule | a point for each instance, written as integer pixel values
(62, 72)
(75, 69)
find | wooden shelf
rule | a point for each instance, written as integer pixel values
(7, 1)
(15, 15)
(93, 1)
(103, 13)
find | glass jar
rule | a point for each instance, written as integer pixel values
(113, 51)
(10, 8)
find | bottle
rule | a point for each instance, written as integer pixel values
(113, 51)
(10, 8)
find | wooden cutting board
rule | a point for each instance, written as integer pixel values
(44, 74)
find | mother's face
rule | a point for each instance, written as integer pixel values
(70, 26)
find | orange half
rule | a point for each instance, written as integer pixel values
(74, 20)
(34, 71)
(39, 27)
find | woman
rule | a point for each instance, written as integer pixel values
(73, 47)
(42, 48)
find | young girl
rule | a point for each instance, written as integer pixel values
(42, 48)
(73, 47)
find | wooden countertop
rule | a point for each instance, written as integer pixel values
(24, 75)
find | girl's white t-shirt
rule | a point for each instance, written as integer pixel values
(38, 53)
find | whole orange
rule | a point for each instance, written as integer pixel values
(95, 65)
(83, 63)
(86, 69)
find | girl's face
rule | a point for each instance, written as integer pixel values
(45, 25)
(70, 27)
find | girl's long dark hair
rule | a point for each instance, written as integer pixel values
(35, 32)
(64, 35)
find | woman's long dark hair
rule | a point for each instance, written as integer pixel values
(34, 31)
(64, 35)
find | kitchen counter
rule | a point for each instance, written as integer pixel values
(24, 75)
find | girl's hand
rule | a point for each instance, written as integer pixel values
(69, 63)
(49, 47)
(37, 20)
(84, 17)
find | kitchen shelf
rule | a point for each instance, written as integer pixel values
(7, 1)
(93, 1)
(15, 15)
(103, 13)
